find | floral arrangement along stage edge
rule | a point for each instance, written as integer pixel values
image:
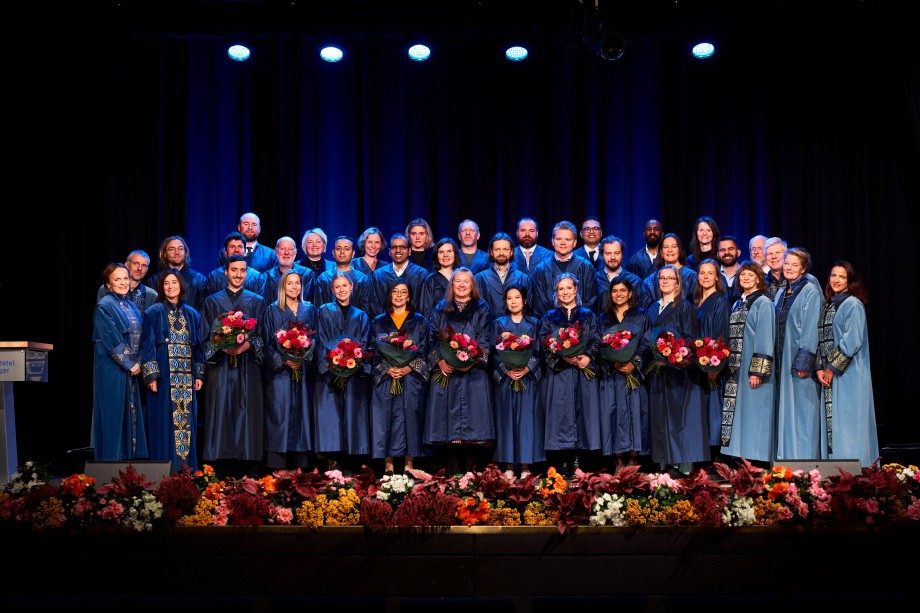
(878, 497)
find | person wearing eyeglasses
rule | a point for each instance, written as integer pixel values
(680, 431)
(399, 268)
(234, 244)
(343, 253)
(138, 263)
(259, 258)
(591, 234)
(175, 254)
(671, 253)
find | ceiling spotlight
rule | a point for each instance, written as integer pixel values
(611, 46)
(238, 53)
(701, 51)
(419, 53)
(331, 54)
(516, 53)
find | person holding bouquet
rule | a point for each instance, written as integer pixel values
(459, 420)
(174, 370)
(680, 430)
(569, 388)
(624, 409)
(516, 373)
(289, 378)
(119, 427)
(234, 397)
(400, 379)
(748, 407)
(844, 369)
(341, 418)
(712, 312)
(799, 413)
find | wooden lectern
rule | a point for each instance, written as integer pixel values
(19, 361)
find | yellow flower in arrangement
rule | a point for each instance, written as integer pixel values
(50, 514)
(502, 514)
(346, 511)
(310, 513)
(203, 515)
(536, 514)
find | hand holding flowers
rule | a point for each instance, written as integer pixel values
(668, 349)
(229, 331)
(295, 343)
(458, 351)
(344, 357)
(618, 348)
(515, 352)
(399, 350)
(709, 355)
(568, 343)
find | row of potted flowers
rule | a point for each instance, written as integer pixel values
(878, 497)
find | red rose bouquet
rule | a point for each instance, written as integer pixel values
(619, 347)
(568, 341)
(231, 329)
(514, 351)
(709, 355)
(399, 350)
(294, 342)
(668, 349)
(457, 349)
(344, 357)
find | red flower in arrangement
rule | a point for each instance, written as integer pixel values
(399, 350)
(568, 341)
(296, 343)
(344, 358)
(457, 349)
(709, 355)
(668, 349)
(619, 347)
(231, 329)
(514, 351)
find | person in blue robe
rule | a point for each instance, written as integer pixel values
(341, 414)
(712, 313)
(680, 430)
(543, 278)
(398, 412)
(501, 274)
(459, 420)
(624, 408)
(289, 380)
(234, 398)
(844, 370)
(174, 371)
(286, 254)
(138, 263)
(519, 418)
(643, 262)
(569, 388)
(748, 406)
(361, 295)
(400, 267)
(670, 252)
(799, 414)
(118, 429)
(371, 247)
(436, 283)
(175, 254)
(528, 254)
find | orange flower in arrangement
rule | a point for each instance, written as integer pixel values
(553, 483)
(296, 343)
(709, 355)
(269, 484)
(344, 357)
(473, 511)
(231, 329)
(76, 485)
(568, 341)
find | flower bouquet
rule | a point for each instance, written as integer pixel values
(344, 356)
(709, 355)
(399, 350)
(618, 347)
(294, 342)
(231, 329)
(514, 351)
(668, 349)
(458, 350)
(568, 341)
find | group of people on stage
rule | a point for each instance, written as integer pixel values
(447, 356)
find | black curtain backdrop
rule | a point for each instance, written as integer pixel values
(129, 123)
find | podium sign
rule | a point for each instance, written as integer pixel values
(19, 361)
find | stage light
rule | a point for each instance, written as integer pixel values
(331, 54)
(703, 50)
(238, 53)
(611, 46)
(419, 53)
(516, 53)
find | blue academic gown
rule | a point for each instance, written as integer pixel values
(640, 264)
(262, 258)
(434, 290)
(195, 282)
(519, 417)
(680, 430)
(217, 281)
(414, 275)
(172, 355)
(749, 415)
(543, 296)
(570, 401)
(359, 263)
(492, 290)
(361, 293)
(849, 404)
(603, 288)
(712, 320)
(119, 429)
(397, 422)
(143, 296)
(288, 403)
(234, 400)
(651, 293)
(799, 414)
(272, 277)
(462, 411)
(539, 254)
(477, 263)
(341, 417)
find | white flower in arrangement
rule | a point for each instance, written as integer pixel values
(29, 477)
(143, 512)
(606, 511)
(394, 486)
(740, 512)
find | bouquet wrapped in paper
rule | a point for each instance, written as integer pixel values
(619, 347)
(514, 351)
(566, 342)
(399, 350)
(457, 349)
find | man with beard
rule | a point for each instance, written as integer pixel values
(342, 252)
(174, 253)
(138, 264)
(528, 254)
(728, 254)
(756, 251)
(234, 244)
(399, 268)
(502, 274)
(471, 255)
(612, 272)
(258, 256)
(543, 279)
(642, 262)
(286, 253)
